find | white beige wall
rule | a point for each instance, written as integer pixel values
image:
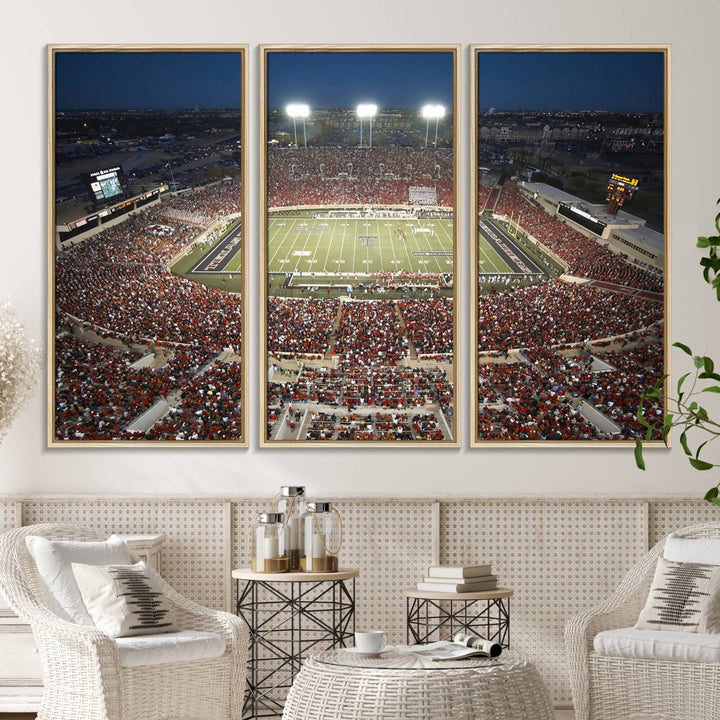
(27, 467)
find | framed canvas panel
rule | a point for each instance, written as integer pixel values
(147, 158)
(359, 341)
(569, 242)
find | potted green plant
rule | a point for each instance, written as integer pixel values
(684, 410)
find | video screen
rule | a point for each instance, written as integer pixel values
(105, 184)
(582, 218)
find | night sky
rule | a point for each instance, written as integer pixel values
(344, 79)
(147, 80)
(614, 81)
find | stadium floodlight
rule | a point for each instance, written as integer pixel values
(366, 110)
(432, 112)
(298, 110)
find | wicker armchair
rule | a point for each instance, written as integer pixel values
(81, 671)
(614, 688)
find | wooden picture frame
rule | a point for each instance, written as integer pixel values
(359, 345)
(570, 301)
(147, 252)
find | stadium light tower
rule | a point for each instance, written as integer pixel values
(298, 110)
(366, 110)
(432, 112)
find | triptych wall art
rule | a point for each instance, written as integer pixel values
(360, 279)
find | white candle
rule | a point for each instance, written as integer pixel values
(271, 548)
(318, 551)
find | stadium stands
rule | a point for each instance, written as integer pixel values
(117, 284)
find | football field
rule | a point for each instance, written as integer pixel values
(500, 253)
(324, 246)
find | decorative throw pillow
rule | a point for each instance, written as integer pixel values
(124, 600)
(692, 550)
(684, 597)
(53, 559)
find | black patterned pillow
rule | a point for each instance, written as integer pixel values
(684, 597)
(124, 600)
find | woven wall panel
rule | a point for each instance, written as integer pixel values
(389, 542)
(559, 557)
(7, 515)
(669, 515)
(194, 552)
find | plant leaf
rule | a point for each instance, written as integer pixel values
(712, 389)
(683, 347)
(639, 461)
(712, 493)
(701, 464)
(684, 443)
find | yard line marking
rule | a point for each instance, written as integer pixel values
(290, 224)
(380, 240)
(330, 244)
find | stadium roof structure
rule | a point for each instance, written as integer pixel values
(647, 237)
(598, 211)
(623, 224)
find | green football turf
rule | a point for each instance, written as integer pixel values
(488, 259)
(304, 244)
(229, 279)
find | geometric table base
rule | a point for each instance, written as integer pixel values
(439, 618)
(289, 616)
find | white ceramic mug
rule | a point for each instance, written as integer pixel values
(372, 641)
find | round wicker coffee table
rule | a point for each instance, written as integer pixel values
(341, 685)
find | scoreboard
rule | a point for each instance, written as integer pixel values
(105, 185)
(620, 189)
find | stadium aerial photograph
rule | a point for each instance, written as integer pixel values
(569, 250)
(360, 239)
(147, 277)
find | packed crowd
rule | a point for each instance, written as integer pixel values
(585, 257)
(203, 206)
(429, 325)
(117, 284)
(397, 279)
(369, 334)
(373, 427)
(533, 407)
(397, 387)
(539, 399)
(558, 313)
(343, 176)
(210, 409)
(98, 393)
(300, 325)
(118, 281)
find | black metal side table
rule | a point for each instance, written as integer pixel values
(438, 615)
(289, 615)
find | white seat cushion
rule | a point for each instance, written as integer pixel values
(658, 645)
(169, 648)
(692, 550)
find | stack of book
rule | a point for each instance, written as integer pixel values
(458, 579)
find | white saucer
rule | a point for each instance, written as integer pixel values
(359, 653)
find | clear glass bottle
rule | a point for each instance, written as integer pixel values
(291, 502)
(269, 544)
(322, 538)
